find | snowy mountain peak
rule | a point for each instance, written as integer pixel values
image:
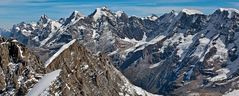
(119, 13)
(104, 8)
(230, 12)
(191, 11)
(174, 12)
(61, 20)
(229, 9)
(76, 13)
(74, 17)
(153, 17)
(99, 12)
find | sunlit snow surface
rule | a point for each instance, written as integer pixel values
(191, 11)
(44, 83)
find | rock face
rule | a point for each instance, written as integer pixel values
(86, 75)
(19, 69)
(177, 53)
(73, 71)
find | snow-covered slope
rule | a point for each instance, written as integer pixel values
(44, 83)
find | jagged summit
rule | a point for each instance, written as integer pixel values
(229, 12)
(104, 8)
(174, 12)
(119, 13)
(44, 19)
(74, 17)
(226, 12)
(76, 14)
(99, 12)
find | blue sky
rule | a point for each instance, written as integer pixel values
(16, 11)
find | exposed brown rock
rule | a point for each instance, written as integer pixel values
(86, 75)
(18, 67)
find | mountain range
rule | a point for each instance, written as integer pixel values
(178, 53)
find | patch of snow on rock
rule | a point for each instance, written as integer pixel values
(95, 34)
(14, 41)
(154, 65)
(222, 74)
(201, 47)
(233, 93)
(26, 32)
(152, 18)
(119, 13)
(20, 50)
(184, 45)
(99, 13)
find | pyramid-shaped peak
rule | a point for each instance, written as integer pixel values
(44, 19)
(99, 12)
(105, 8)
(76, 14)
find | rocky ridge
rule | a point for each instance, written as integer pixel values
(73, 71)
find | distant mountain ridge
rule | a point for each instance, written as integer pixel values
(177, 53)
(5, 33)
